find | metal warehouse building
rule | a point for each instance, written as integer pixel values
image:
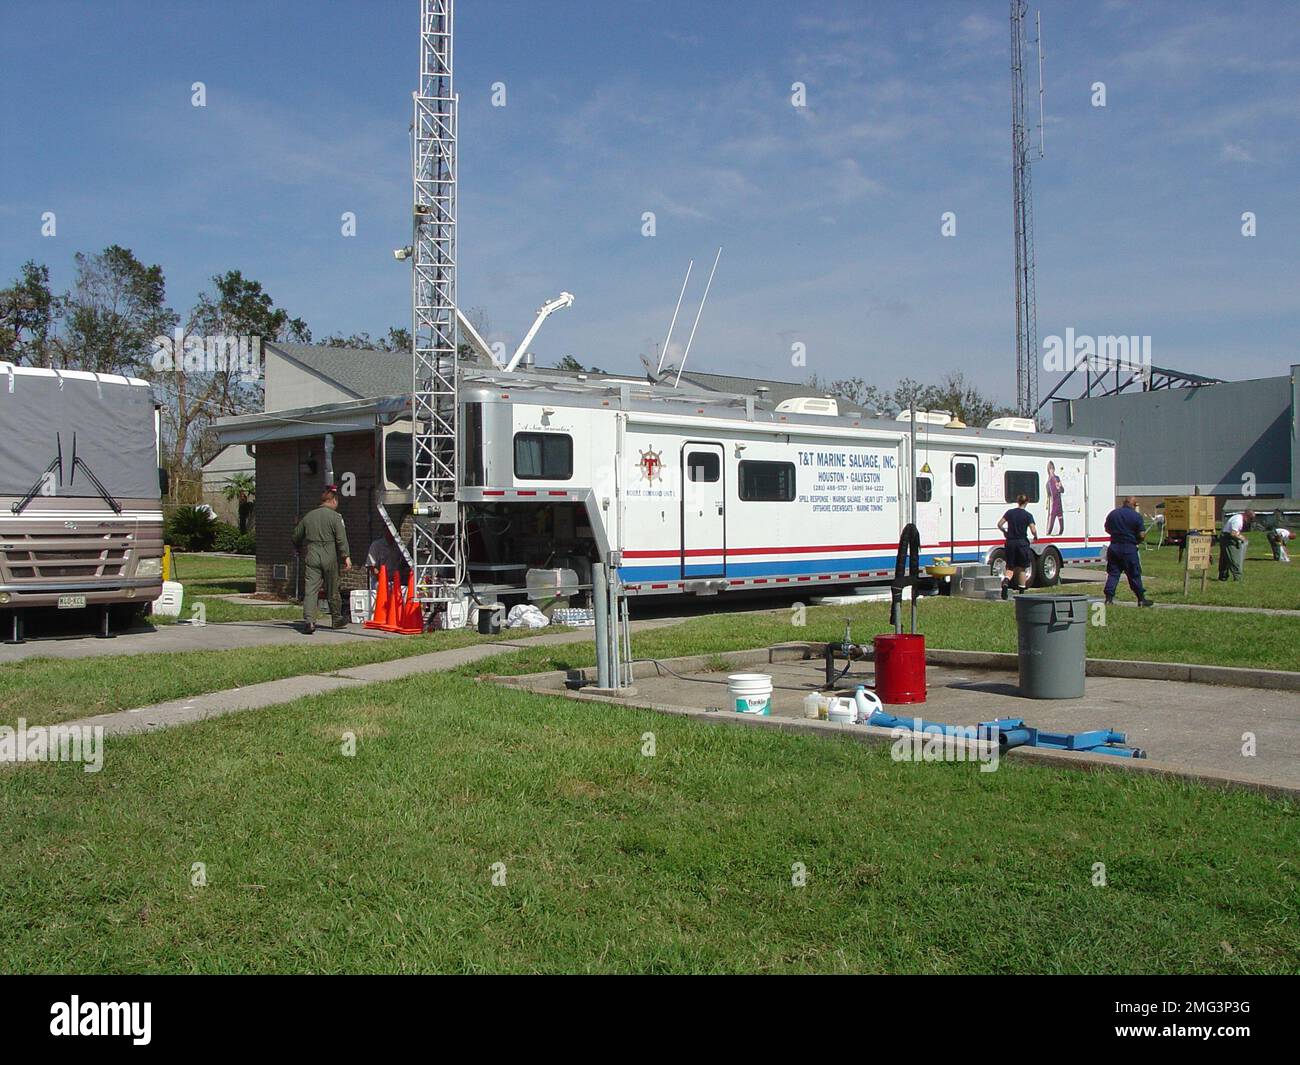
(1213, 439)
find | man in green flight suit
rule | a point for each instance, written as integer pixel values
(323, 539)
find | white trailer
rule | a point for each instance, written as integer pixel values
(687, 492)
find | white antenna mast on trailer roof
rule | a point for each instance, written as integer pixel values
(709, 284)
(663, 352)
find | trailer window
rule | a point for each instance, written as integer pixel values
(543, 456)
(771, 482)
(703, 466)
(923, 490)
(1021, 482)
(964, 474)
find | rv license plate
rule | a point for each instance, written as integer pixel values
(71, 602)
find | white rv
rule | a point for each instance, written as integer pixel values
(691, 492)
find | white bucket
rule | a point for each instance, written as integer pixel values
(752, 693)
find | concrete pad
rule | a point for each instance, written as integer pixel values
(1197, 728)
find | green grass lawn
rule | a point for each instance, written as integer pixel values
(1266, 583)
(46, 690)
(206, 577)
(613, 861)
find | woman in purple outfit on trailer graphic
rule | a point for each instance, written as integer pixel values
(1055, 514)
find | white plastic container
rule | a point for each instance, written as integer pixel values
(812, 704)
(842, 712)
(361, 603)
(168, 605)
(751, 693)
(866, 703)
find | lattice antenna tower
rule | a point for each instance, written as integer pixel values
(1022, 149)
(436, 553)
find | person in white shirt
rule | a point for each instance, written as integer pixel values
(1232, 545)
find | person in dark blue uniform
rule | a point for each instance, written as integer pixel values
(1016, 525)
(1127, 530)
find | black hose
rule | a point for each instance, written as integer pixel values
(909, 551)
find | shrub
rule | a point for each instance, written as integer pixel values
(232, 541)
(191, 529)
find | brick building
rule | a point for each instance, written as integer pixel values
(323, 409)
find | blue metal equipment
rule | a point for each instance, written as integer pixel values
(1013, 732)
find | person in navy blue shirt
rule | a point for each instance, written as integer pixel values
(1016, 525)
(1127, 530)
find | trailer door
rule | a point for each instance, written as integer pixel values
(965, 514)
(704, 519)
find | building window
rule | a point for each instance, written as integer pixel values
(964, 475)
(923, 490)
(543, 456)
(767, 482)
(703, 466)
(397, 459)
(1021, 483)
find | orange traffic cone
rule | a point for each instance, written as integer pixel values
(410, 618)
(379, 616)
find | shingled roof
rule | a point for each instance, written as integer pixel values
(364, 372)
(367, 373)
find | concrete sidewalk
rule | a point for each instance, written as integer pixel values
(225, 636)
(269, 693)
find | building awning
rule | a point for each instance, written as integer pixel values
(302, 423)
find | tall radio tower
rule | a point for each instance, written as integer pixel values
(437, 556)
(1023, 196)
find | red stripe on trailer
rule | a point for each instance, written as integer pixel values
(658, 586)
(526, 492)
(493, 492)
(804, 578)
(783, 580)
(559, 493)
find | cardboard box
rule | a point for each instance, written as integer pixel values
(1184, 513)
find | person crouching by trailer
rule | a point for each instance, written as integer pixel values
(386, 555)
(1016, 525)
(1127, 530)
(323, 539)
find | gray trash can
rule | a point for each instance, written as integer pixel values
(1052, 633)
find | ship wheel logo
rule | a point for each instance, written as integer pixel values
(652, 465)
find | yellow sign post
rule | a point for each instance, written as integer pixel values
(1197, 556)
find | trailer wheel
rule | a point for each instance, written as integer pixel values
(998, 563)
(1047, 569)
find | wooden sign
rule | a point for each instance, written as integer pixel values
(1197, 556)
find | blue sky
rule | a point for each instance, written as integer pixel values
(829, 214)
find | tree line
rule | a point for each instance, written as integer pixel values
(115, 319)
(953, 393)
